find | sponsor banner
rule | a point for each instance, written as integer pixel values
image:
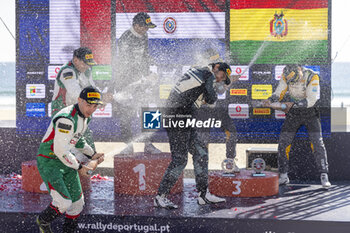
(101, 72)
(243, 71)
(35, 91)
(238, 111)
(261, 91)
(52, 71)
(182, 25)
(238, 92)
(279, 114)
(35, 109)
(164, 91)
(315, 69)
(49, 110)
(261, 111)
(64, 30)
(103, 112)
(278, 72)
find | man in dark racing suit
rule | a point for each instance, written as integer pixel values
(197, 86)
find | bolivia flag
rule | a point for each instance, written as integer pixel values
(279, 31)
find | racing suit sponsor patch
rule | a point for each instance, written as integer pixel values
(64, 126)
(68, 75)
(63, 131)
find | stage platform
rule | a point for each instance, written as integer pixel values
(299, 208)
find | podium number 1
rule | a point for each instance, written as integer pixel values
(141, 169)
(237, 184)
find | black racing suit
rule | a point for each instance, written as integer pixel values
(195, 86)
(304, 93)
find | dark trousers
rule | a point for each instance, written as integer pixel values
(181, 142)
(227, 126)
(289, 129)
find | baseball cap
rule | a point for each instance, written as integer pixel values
(91, 94)
(227, 69)
(143, 19)
(85, 54)
(290, 73)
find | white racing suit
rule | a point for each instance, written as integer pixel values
(68, 85)
(304, 93)
(58, 166)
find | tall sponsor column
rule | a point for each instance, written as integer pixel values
(31, 83)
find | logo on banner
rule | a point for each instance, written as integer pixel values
(279, 114)
(103, 112)
(169, 25)
(261, 111)
(35, 109)
(152, 119)
(278, 72)
(243, 71)
(238, 92)
(35, 91)
(278, 26)
(52, 72)
(261, 91)
(238, 111)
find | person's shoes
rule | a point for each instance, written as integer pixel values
(284, 179)
(151, 149)
(43, 226)
(129, 150)
(208, 198)
(163, 202)
(324, 180)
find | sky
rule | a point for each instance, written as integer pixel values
(340, 31)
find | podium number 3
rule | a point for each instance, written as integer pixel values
(141, 169)
(237, 184)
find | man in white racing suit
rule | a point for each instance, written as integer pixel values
(58, 165)
(70, 80)
(297, 94)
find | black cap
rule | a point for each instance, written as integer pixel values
(227, 69)
(92, 95)
(143, 19)
(290, 73)
(85, 54)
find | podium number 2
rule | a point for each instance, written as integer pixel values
(237, 184)
(141, 169)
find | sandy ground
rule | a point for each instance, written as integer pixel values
(7, 114)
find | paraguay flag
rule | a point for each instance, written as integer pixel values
(184, 28)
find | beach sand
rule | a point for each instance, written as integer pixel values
(7, 114)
